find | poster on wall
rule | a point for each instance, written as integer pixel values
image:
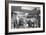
(24, 17)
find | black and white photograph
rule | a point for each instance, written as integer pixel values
(25, 17)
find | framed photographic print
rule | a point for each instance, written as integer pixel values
(24, 17)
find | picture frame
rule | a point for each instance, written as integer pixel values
(11, 6)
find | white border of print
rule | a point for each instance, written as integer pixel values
(27, 29)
